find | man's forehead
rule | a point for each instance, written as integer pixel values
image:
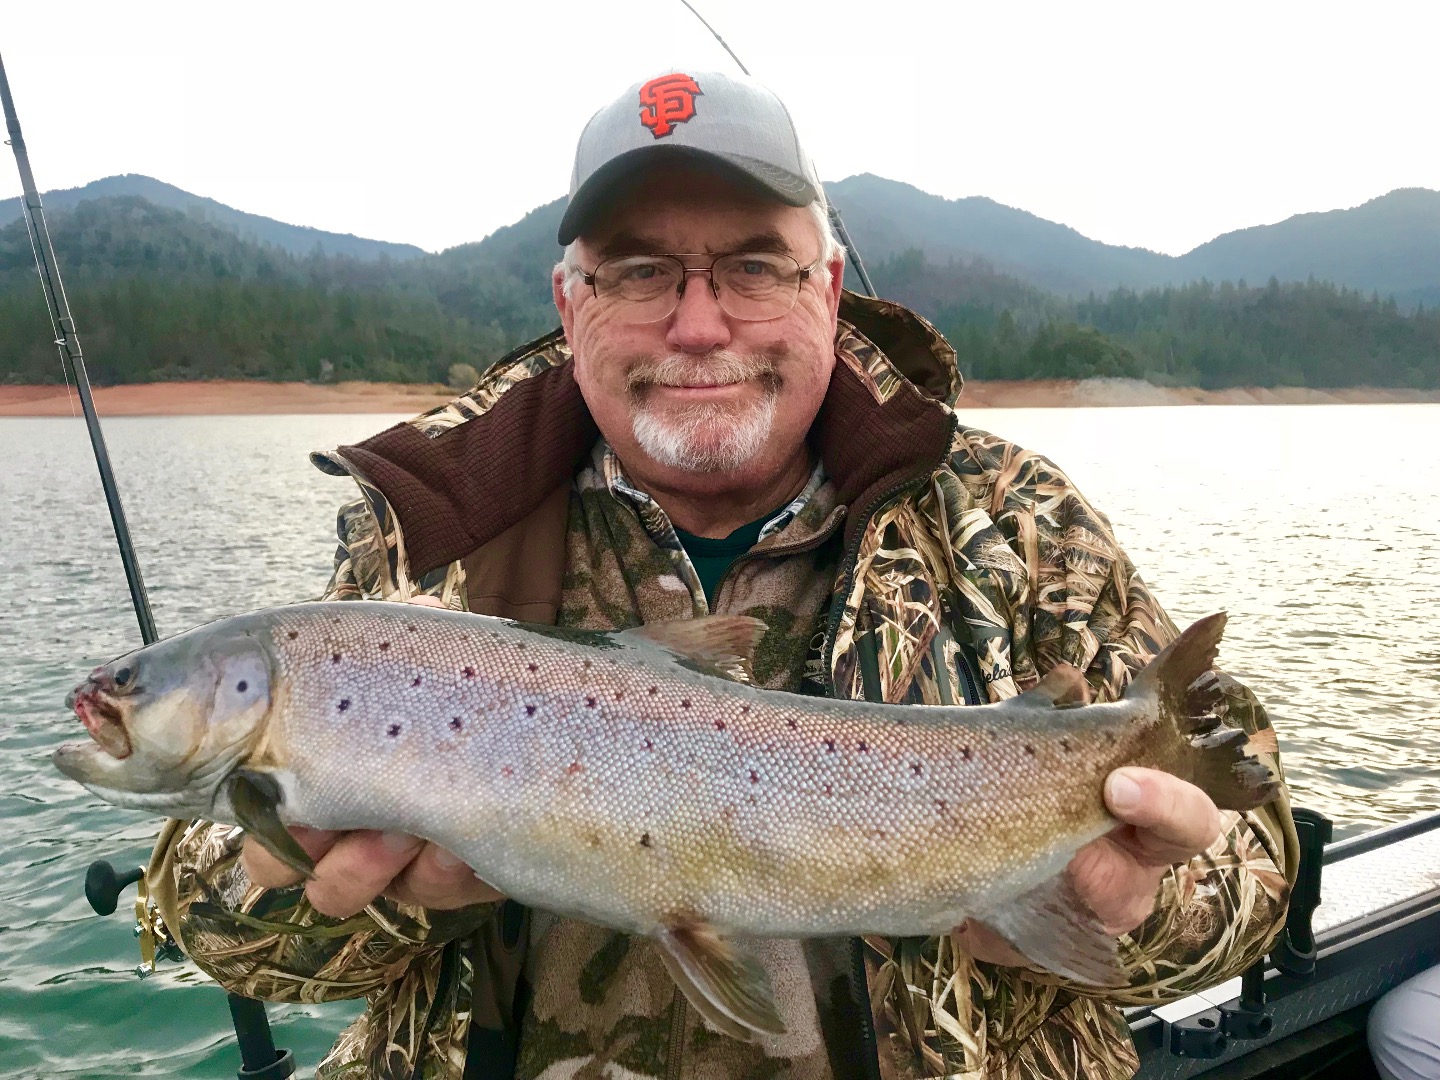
(627, 241)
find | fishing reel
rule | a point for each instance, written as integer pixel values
(103, 887)
(259, 1058)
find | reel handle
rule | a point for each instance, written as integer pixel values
(103, 885)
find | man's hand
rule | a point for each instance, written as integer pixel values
(353, 868)
(1167, 821)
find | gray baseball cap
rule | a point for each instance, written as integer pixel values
(728, 119)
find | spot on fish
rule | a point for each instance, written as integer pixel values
(751, 798)
(619, 694)
(652, 691)
(335, 658)
(520, 645)
(1029, 750)
(719, 725)
(393, 730)
(384, 645)
(410, 628)
(965, 754)
(863, 747)
(744, 710)
(415, 681)
(754, 777)
(645, 839)
(344, 704)
(587, 665)
(455, 723)
(529, 710)
(830, 746)
(1065, 745)
(590, 703)
(469, 673)
(506, 770)
(1110, 737)
(684, 703)
(941, 806)
(649, 745)
(792, 724)
(916, 768)
(574, 767)
(829, 790)
(532, 666)
(293, 634)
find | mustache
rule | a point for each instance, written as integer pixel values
(719, 368)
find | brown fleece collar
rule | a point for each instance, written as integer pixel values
(467, 485)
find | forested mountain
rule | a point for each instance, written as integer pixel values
(162, 293)
(296, 239)
(1390, 245)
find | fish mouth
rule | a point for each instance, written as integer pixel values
(102, 720)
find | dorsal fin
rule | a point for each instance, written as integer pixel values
(721, 645)
(1062, 685)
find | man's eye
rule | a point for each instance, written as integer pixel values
(754, 268)
(641, 272)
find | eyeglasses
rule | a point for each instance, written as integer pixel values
(748, 285)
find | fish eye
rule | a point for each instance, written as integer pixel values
(124, 677)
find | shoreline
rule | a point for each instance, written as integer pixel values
(249, 398)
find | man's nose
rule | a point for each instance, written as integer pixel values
(698, 323)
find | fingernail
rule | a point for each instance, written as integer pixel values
(397, 841)
(1123, 793)
(445, 860)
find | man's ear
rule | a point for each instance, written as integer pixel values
(837, 282)
(562, 300)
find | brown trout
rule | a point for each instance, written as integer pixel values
(635, 779)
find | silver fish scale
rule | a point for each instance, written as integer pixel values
(614, 785)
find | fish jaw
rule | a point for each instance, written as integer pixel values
(170, 721)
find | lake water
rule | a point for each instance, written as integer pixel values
(1317, 528)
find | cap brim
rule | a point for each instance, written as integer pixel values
(599, 188)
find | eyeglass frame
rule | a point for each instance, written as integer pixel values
(804, 272)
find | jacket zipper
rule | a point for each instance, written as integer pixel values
(675, 1051)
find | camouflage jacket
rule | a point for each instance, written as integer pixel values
(936, 563)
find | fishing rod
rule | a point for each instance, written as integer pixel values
(836, 222)
(259, 1058)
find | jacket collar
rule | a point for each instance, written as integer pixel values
(884, 422)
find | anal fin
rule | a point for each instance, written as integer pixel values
(255, 797)
(726, 986)
(1056, 930)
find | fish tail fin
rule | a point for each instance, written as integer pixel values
(1218, 759)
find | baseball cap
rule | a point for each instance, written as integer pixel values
(706, 115)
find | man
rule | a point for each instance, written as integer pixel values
(719, 428)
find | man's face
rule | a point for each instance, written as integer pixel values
(701, 399)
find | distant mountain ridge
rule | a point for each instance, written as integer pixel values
(1389, 245)
(296, 239)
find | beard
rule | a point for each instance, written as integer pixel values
(705, 437)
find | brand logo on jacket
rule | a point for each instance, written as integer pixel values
(666, 101)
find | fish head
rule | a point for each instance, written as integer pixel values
(168, 722)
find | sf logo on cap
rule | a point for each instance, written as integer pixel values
(667, 101)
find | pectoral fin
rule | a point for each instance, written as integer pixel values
(1057, 931)
(727, 987)
(255, 797)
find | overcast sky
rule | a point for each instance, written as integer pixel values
(1157, 124)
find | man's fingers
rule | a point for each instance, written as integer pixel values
(438, 880)
(269, 872)
(1117, 888)
(1171, 820)
(357, 869)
